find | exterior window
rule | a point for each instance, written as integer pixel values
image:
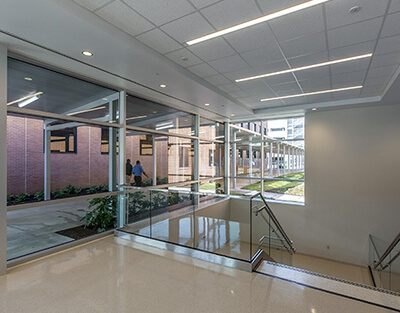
(63, 141)
(146, 145)
(183, 156)
(105, 135)
(278, 129)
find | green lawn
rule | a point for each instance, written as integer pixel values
(282, 187)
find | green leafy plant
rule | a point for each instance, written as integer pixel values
(78, 191)
(58, 194)
(93, 189)
(39, 196)
(10, 199)
(102, 213)
(21, 198)
(70, 189)
(104, 187)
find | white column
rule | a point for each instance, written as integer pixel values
(271, 168)
(121, 160)
(284, 159)
(278, 163)
(154, 160)
(3, 160)
(47, 162)
(227, 158)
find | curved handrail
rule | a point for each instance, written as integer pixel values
(274, 219)
(388, 251)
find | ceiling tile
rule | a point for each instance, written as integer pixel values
(298, 24)
(161, 12)
(391, 26)
(240, 74)
(189, 58)
(345, 78)
(337, 12)
(202, 70)
(203, 3)
(229, 64)
(188, 27)
(230, 87)
(255, 37)
(311, 85)
(348, 94)
(347, 84)
(297, 100)
(159, 41)
(386, 71)
(352, 66)
(313, 73)
(387, 45)
(304, 45)
(281, 91)
(268, 104)
(92, 5)
(309, 59)
(121, 16)
(231, 12)
(320, 98)
(385, 59)
(272, 6)
(239, 94)
(263, 55)
(246, 85)
(218, 80)
(376, 81)
(372, 91)
(355, 33)
(212, 49)
(352, 50)
(279, 79)
(271, 67)
(261, 92)
(395, 6)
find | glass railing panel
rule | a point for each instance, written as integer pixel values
(138, 213)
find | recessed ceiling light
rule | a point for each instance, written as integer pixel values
(163, 86)
(232, 114)
(28, 78)
(313, 93)
(105, 99)
(27, 101)
(155, 112)
(355, 9)
(307, 67)
(261, 19)
(87, 53)
(314, 109)
(206, 104)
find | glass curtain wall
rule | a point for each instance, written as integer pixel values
(268, 156)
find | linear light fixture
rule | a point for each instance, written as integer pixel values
(136, 117)
(165, 127)
(259, 20)
(88, 110)
(358, 57)
(26, 97)
(27, 101)
(313, 93)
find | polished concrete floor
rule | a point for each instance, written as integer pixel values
(113, 275)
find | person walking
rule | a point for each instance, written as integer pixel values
(137, 173)
(128, 173)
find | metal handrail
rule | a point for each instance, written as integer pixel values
(274, 219)
(388, 251)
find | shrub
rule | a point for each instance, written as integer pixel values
(39, 196)
(93, 189)
(102, 214)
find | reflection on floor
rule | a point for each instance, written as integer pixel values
(114, 275)
(34, 229)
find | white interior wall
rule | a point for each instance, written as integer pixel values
(352, 184)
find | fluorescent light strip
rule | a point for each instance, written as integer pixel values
(26, 97)
(261, 19)
(165, 127)
(88, 110)
(164, 124)
(136, 117)
(27, 101)
(313, 93)
(358, 57)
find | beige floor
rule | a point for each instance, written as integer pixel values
(113, 275)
